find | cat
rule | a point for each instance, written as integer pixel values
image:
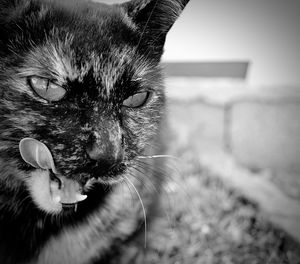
(82, 116)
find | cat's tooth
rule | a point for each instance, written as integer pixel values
(80, 197)
(75, 208)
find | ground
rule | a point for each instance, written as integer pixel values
(204, 220)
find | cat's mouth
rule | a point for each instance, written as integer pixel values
(53, 194)
(51, 191)
(65, 191)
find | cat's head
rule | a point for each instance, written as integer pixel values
(84, 79)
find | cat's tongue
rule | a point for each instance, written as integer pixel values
(36, 153)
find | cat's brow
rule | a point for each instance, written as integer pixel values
(57, 60)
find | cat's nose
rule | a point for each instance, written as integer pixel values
(106, 150)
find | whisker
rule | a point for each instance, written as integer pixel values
(164, 171)
(130, 192)
(142, 204)
(179, 181)
(146, 180)
(24, 202)
(158, 156)
(154, 188)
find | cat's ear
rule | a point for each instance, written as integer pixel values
(154, 18)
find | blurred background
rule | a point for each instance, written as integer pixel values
(233, 84)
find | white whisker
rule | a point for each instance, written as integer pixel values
(132, 200)
(142, 204)
(152, 187)
(157, 156)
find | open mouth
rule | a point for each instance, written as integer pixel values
(53, 193)
(65, 191)
(50, 190)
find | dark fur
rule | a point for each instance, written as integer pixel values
(102, 55)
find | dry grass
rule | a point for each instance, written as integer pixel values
(203, 220)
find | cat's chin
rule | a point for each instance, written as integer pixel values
(50, 195)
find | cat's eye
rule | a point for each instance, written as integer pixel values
(46, 89)
(136, 100)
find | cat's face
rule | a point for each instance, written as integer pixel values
(84, 79)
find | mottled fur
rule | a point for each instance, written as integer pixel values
(101, 55)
